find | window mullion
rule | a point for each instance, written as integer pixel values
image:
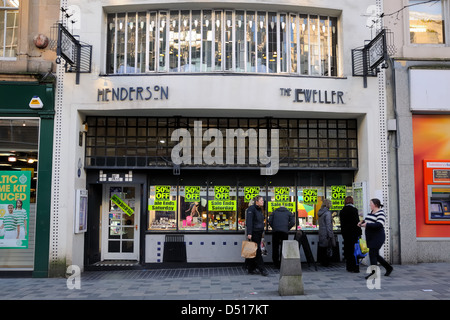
(278, 43)
(213, 39)
(245, 42)
(115, 44)
(190, 42)
(125, 45)
(267, 42)
(329, 45)
(299, 56)
(136, 43)
(201, 40)
(147, 39)
(233, 41)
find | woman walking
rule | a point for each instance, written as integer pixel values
(375, 237)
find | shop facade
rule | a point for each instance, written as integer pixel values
(27, 110)
(418, 75)
(197, 108)
(26, 160)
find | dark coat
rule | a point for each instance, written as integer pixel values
(281, 220)
(254, 220)
(375, 235)
(349, 223)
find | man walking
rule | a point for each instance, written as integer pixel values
(281, 221)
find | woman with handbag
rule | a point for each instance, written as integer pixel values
(375, 236)
(350, 233)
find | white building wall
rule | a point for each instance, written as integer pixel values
(221, 94)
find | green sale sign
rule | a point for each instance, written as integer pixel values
(14, 209)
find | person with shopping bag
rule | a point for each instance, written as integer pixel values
(350, 233)
(255, 229)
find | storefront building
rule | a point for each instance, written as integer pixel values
(419, 75)
(192, 109)
(27, 91)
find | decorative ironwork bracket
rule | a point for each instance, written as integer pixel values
(366, 60)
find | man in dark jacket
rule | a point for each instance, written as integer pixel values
(281, 221)
(255, 228)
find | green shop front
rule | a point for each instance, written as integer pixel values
(26, 148)
(146, 207)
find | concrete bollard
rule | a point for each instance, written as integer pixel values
(291, 279)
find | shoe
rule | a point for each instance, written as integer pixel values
(264, 273)
(388, 271)
(367, 277)
(251, 272)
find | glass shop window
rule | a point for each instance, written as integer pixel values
(310, 199)
(222, 208)
(281, 197)
(245, 199)
(192, 208)
(162, 208)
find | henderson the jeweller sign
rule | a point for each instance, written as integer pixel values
(158, 92)
(314, 95)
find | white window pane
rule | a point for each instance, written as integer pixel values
(240, 41)
(207, 25)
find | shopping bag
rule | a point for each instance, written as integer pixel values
(263, 247)
(357, 252)
(248, 249)
(363, 246)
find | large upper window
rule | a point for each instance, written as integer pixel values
(122, 142)
(221, 41)
(9, 24)
(426, 21)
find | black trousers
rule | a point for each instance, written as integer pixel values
(257, 262)
(277, 246)
(349, 253)
(374, 257)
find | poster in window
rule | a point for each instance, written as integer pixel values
(81, 211)
(14, 209)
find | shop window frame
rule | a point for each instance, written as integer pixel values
(445, 14)
(9, 31)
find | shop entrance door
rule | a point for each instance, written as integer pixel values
(120, 222)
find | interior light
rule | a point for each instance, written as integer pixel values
(12, 159)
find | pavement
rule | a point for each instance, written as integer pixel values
(228, 286)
